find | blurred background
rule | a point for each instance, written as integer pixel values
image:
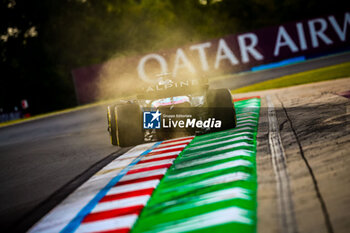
(41, 42)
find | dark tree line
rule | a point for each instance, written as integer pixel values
(41, 41)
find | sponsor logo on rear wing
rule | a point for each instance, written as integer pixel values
(171, 85)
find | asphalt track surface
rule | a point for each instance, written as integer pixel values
(40, 157)
(313, 121)
(44, 160)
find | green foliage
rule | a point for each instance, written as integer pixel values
(75, 33)
(317, 75)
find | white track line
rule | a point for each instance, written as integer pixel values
(148, 157)
(133, 187)
(236, 144)
(179, 147)
(227, 215)
(230, 164)
(218, 149)
(108, 224)
(237, 135)
(121, 203)
(174, 143)
(227, 155)
(139, 175)
(285, 202)
(151, 164)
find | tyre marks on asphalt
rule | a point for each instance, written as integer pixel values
(212, 184)
(320, 198)
(284, 195)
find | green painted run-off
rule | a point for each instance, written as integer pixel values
(212, 185)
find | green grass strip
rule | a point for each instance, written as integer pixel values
(212, 185)
(316, 75)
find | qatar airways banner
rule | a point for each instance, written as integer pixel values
(229, 54)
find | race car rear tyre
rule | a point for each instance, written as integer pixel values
(128, 125)
(112, 125)
(221, 108)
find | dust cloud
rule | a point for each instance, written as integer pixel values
(119, 76)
